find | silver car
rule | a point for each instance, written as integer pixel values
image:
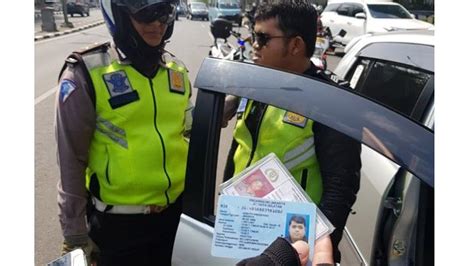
(392, 219)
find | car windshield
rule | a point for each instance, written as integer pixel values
(388, 11)
(198, 5)
(229, 5)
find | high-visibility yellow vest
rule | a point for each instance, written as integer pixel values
(138, 152)
(289, 136)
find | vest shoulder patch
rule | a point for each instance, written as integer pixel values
(176, 81)
(294, 119)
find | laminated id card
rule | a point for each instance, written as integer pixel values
(246, 226)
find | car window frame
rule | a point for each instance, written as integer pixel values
(214, 84)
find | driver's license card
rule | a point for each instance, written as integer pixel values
(246, 226)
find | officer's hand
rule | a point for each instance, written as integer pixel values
(83, 242)
(230, 107)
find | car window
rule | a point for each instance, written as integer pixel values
(395, 85)
(388, 11)
(344, 10)
(331, 7)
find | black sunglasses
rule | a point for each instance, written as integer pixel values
(263, 38)
(165, 14)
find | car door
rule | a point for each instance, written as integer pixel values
(382, 72)
(341, 109)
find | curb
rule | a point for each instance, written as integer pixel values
(51, 35)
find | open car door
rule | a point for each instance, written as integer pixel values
(403, 141)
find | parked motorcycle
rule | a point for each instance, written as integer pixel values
(221, 29)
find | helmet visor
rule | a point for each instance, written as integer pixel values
(134, 6)
(164, 13)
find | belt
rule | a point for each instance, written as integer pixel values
(126, 209)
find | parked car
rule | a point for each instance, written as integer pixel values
(392, 222)
(397, 70)
(181, 9)
(198, 10)
(228, 9)
(77, 8)
(358, 17)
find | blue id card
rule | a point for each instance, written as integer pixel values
(246, 226)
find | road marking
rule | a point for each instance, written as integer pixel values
(45, 95)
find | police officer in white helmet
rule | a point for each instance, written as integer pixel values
(122, 118)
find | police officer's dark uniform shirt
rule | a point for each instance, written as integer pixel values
(339, 160)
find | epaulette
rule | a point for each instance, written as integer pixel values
(171, 58)
(102, 47)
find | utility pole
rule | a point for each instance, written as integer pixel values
(66, 23)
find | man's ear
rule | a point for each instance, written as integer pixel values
(298, 46)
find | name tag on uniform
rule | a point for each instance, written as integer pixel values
(176, 81)
(295, 119)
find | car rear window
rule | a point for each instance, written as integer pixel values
(198, 5)
(388, 11)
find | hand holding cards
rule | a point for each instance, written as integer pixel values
(260, 204)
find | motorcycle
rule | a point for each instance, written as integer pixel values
(221, 29)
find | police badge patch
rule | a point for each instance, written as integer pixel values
(117, 83)
(295, 119)
(176, 81)
(66, 88)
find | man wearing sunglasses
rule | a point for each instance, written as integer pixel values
(122, 113)
(325, 162)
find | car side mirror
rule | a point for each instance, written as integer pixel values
(361, 15)
(412, 15)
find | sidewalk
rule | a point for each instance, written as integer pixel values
(79, 23)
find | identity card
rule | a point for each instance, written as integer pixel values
(246, 226)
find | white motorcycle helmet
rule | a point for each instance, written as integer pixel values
(117, 15)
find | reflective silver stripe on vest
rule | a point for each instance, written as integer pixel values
(290, 155)
(109, 131)
(111, 126)
(305, 156)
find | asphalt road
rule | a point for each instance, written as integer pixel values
(190, 42)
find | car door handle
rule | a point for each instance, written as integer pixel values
(349, 23)
(332, 20)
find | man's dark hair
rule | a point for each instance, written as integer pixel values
(298, 219)
(295, 18)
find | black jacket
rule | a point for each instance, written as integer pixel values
(339, 160)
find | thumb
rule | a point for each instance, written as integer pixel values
(303, 251)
